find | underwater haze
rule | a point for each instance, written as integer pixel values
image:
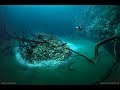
(80, 27)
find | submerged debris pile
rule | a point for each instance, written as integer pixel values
(46, 47)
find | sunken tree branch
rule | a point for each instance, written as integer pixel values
(98, 44)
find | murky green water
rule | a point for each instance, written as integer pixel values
(83, 72)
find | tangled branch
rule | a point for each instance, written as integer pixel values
(117, 59)
(98, 44)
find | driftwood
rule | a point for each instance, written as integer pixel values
(98, 44)
(27, 40)
(90, 60)
(117, 59)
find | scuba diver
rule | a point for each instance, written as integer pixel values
(78, 28)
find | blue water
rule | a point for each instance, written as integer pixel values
(60, 21)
